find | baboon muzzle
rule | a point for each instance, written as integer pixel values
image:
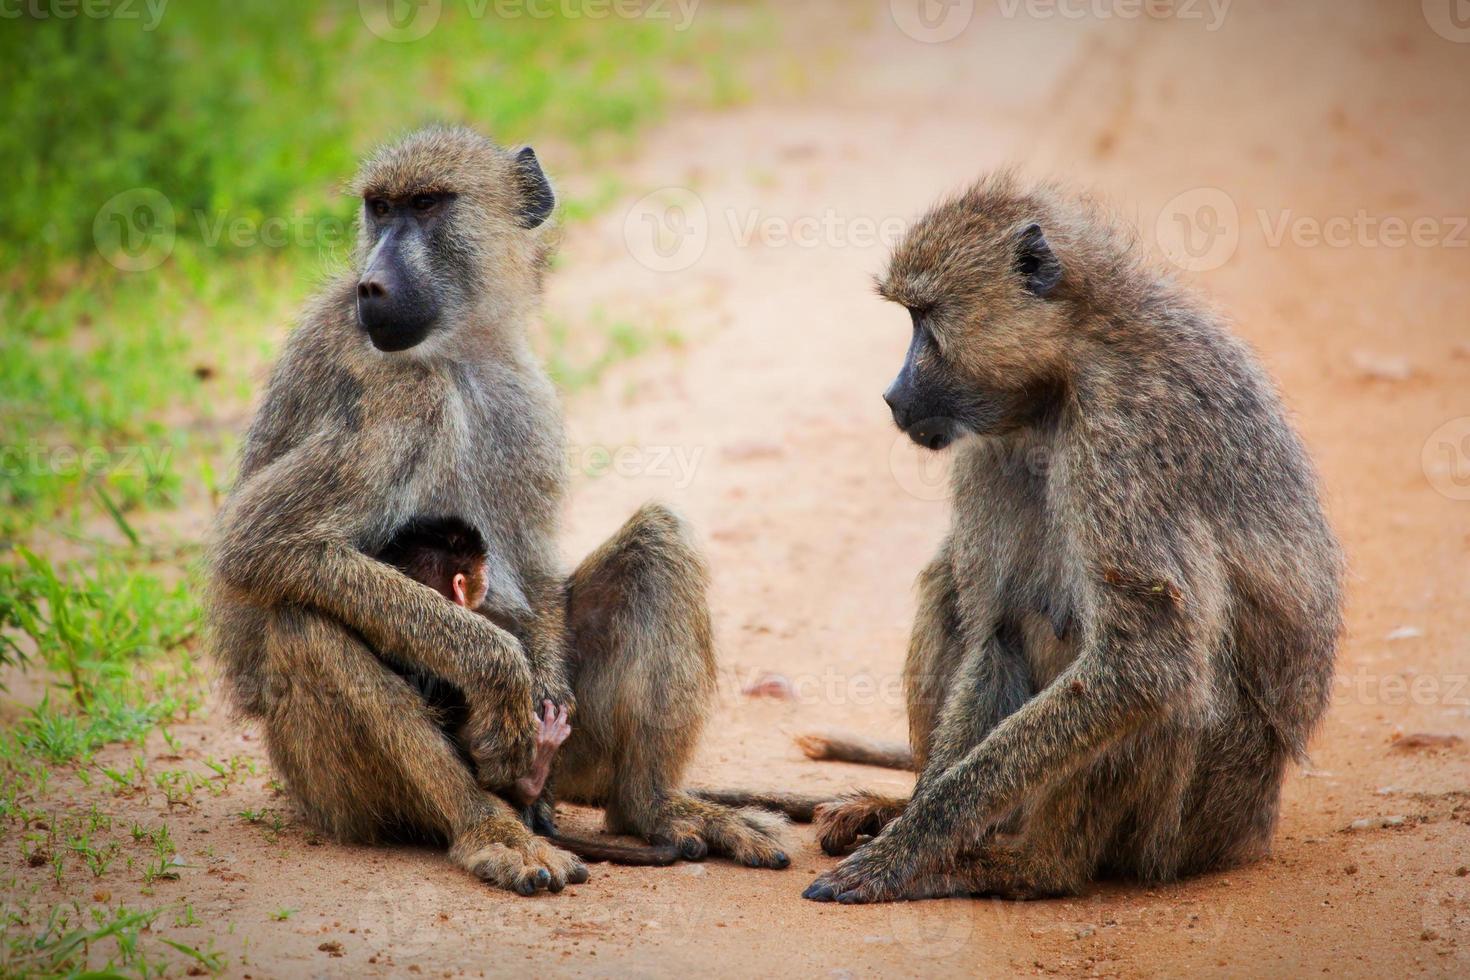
(395, 310)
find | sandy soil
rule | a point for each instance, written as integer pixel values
(766, 428)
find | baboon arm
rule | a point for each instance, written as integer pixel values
(546, 643)
(287, 534)
(991, 683)
(1143, 655)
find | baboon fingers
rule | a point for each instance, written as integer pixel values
(526, 868)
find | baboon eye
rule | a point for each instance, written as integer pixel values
(425, 202)
(378, 206)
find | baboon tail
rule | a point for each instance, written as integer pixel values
(844, 747)
(635, 855)
(796, 806)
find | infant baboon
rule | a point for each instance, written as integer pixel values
(1129, 629)
(449, 557)
(409, 391)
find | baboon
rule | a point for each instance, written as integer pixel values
(1129, 629)
(409, 391)
(449, 556)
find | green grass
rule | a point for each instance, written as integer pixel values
(172, 194)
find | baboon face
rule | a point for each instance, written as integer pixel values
(449, 225)
(980, 283)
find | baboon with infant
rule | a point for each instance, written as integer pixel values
(1129, 629)
(409, 392)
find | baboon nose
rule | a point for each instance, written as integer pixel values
(891, 400)
(371, 289)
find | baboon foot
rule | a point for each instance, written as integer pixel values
(879, 872)
(853, 819)
(885, 871)
(524, 864)
(696, 827)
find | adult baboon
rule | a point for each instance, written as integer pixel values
(1129, 629)
(409, 392)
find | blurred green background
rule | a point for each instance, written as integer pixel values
(172, 192)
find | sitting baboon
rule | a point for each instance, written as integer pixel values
(1129, 629)
(409, 391)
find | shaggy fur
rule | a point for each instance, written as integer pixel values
(1129, 630)
(350, 445)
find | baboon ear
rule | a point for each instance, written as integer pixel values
(537, 198)
(1038, 265)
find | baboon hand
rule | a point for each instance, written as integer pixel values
(552, 729)
(501, 741)
(877, 872)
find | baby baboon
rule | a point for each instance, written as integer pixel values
(1129, 629)
(449, 557)
(409, 391)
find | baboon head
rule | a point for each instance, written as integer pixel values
(452, 229)
(985, 290)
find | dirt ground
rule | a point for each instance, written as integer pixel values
(1264, 151)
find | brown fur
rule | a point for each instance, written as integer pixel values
(1129, 630)
(348, 446)
(845, 747)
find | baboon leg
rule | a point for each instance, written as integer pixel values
(364, 757)
(936, 653)
(843, 823)
(642, 668)
(954, 702)
(1235, 797)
